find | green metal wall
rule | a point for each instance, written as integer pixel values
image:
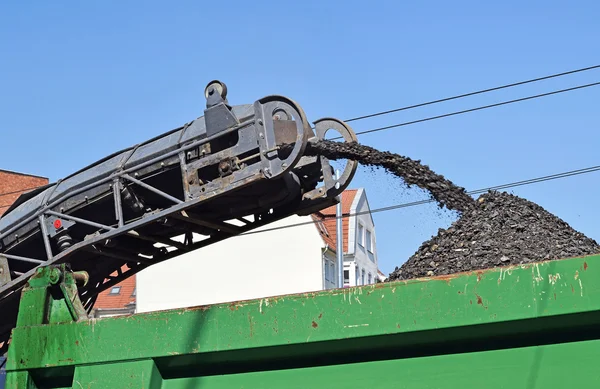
(533, 326)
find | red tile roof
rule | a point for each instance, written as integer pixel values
(110, 301)
(326, 221)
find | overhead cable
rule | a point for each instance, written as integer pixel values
(474, 109)
(472, 93)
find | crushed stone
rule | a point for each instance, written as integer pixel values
(502, 230)
(442, 190)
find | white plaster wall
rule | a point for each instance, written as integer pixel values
(364, 259)
(260, 265)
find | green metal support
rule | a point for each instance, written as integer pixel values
(529, 326)
(51, 296)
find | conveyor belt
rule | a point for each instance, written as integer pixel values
(218, 176)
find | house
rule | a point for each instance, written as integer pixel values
(293, 255)
(14, 184)
(116, 300)
(360, 254)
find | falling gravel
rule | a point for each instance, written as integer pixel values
(497, 229)
(443, 191)
(503, 229)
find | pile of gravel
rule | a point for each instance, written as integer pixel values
(443, 191)
(501, 230)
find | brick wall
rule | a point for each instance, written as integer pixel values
(12, 185)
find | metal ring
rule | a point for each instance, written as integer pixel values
(271, 104)
(321, 128)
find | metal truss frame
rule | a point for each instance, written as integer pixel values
(260, 129)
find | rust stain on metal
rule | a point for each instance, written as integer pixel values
(446, 277)
(314, 324)
(311, 295)
(572, 289)
(251, 325)
(197, 308)
(480, 275)
(76, 343)
(320, 315)
(471, 302)
(281, 297)
(585, 266)
(480, 301)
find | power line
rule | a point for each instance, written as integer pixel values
(473, 93)
(475, 109)
(421, 202)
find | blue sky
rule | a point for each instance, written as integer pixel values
(80, 80)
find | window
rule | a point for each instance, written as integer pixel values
(115, 290)
(363, 277)
(360, 235)
(346, 277)
(370, 277)
(322, 228)
(369, 242)
(332, 272)
(329, 271)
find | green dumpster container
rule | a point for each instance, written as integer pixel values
(528, 326)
